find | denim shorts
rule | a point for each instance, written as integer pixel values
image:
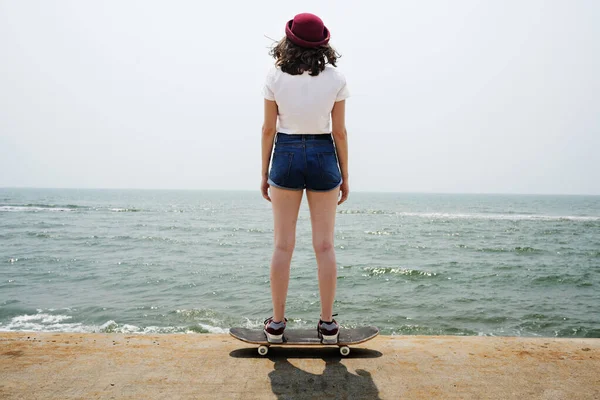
(305, 162)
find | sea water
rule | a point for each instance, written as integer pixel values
(151, 261)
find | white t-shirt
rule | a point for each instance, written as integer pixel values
(305, 101)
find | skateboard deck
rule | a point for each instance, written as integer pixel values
(306, 337)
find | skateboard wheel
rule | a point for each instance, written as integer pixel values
(344, 350)
(263, 350)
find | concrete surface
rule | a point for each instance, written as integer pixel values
(36, 365)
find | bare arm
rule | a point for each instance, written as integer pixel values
(268, 136)
(340, 136)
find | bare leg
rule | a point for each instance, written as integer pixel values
(322, 217)
(286, 204)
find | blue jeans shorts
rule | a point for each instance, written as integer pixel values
(305, 162)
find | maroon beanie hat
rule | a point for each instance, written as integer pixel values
(307, 30)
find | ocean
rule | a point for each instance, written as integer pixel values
(161, 261)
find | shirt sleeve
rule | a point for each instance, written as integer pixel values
(343, 93)
(267, 88)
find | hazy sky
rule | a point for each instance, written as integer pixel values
(447, 96)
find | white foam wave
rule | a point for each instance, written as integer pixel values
(399, 271)
(44, 322)
(433, 215)
(32, 209)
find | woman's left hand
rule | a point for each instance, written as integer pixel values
(264, 188)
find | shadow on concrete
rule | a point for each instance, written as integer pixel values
(304, 352)
(336, 382)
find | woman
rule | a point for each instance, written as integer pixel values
(304, 113)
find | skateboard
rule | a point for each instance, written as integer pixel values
(305, 337)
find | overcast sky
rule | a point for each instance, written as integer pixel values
(446, 96)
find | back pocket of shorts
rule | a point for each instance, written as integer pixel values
(280, 167)
(330, 172)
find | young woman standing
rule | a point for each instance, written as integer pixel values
(304, 114)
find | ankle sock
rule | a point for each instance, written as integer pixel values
(276, 325)
(327, 325)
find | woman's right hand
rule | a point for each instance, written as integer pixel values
(264, 188)
(344, 192)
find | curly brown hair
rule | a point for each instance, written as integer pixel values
(294, 59)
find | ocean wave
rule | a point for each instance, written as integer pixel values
(503, 216)
(507, 215)
(43, 235)
(410, 329)
(40, 207)
(549, 280)
(527, 249)
(45, 322)
(366, 211)
(113, 327)
(194, 320)
(508, 212)
(518, 249)
(375, 271)
(578, 331)
(171, 228)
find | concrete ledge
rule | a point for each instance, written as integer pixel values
(36, 365)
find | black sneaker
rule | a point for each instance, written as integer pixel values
(274, 330)
(328, 331)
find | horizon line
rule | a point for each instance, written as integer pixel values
(353, 191)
